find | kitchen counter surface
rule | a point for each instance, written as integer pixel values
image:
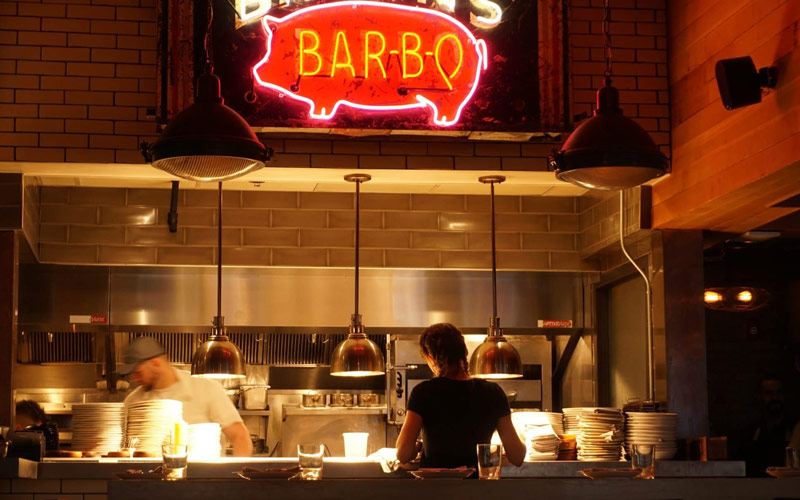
(585, 489)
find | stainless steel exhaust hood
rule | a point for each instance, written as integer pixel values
(181, 299)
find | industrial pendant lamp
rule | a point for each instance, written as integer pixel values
(495, 358)
(207, 141)
(357, 356)
(218, 357)
(608, 151)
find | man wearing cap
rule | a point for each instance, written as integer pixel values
(203, 400)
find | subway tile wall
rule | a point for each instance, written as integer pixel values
(263, 228)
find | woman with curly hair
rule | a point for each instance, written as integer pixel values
(454, 411)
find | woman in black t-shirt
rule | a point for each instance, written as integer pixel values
(31, 417)
(454, 411)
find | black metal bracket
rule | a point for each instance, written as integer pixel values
(172, 216)
(561, 366)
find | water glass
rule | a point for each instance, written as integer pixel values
(643, 456)
(309, 457)
(175, 459)
(489, 460)
(793, 457)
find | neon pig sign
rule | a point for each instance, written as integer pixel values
(372, 56)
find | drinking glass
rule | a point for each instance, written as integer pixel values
(175, 459)
(793, 457)
(643, 456)
(489, 456)
(309, 457)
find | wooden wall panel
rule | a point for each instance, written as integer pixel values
(728, 167)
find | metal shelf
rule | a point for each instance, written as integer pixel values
(254, 412)
(334, 410)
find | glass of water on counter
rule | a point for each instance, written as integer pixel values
(309, 457)
(175, 460)
(489, 461)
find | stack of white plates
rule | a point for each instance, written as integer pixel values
(653, 428)
(521, 418)
(571, 416)
(97, 426)
(541, 443)
(600, 434)
(205, 441)
(152, 422)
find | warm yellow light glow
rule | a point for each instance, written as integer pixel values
(744, 296)
(711, 297)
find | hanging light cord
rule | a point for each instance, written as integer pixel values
(607, 42)
(209, 68)
(218, 319)
(651, 389)
(358, 209)
(494, 262)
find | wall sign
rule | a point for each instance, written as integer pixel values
(363, 66)
(372, 56)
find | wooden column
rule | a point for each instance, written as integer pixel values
(684, 321)
(8, 322)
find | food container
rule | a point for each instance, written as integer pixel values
(313, 400)
(343, 399)
(369, 399)
(255, 397)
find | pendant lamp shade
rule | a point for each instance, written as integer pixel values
(357, 355)
(495, 358)
(207, 141)
(609, 151)
(218, 358)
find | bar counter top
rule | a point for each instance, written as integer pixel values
(349, 468)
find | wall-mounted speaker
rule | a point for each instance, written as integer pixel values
(739, 82)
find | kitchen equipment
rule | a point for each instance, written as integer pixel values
(4, 447)
(234, 395)
(255, 397)
(26, 444)
(313, 400)
(343, 399)
(369, 399)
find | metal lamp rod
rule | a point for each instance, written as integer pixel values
(355, 323)
(651, 388)
(358, 225)
(218, 319)
(494, 325)
(494, 259)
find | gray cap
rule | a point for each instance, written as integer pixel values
(141, 349)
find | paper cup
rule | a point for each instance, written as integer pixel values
(355, 444)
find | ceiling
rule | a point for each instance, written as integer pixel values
(298, 179)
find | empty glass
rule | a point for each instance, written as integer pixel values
(175, 458)
(489, 457)
(643, 456)
(309, 457)
(793, 458)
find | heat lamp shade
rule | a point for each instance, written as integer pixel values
(218, 358)
(357, 356)
(495, 358)
(208, 141)
(609, 151)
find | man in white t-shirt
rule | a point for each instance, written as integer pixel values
(204, 400)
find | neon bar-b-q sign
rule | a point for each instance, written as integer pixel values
(372, 56)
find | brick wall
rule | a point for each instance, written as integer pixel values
(128, 226)
(638, 31)
(76, 79)
(10, 201)
(55, 489)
